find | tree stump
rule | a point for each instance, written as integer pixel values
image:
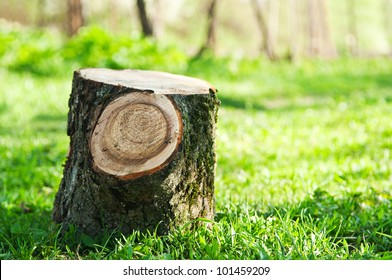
(142, 152)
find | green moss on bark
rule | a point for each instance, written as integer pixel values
(176, 194)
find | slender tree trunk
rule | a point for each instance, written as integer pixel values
(314, 28)
(210, 42)
(330, 49)
(387, 10)
(75, 16)
(293, 30)
(112, 21)
(262, 24)
(273, 23)
(320, 41)
(41, 17)
(144, 20)
(352, 36)
(158, 19)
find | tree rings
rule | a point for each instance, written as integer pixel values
(137, 134)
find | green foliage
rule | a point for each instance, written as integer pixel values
(304, 153)
(49, 54)
(94, 47)
(29, 51)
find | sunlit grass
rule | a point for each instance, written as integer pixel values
(303, 172)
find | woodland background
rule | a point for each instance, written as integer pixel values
(276, 28)
(304, 137)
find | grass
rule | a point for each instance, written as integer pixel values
(304, 165)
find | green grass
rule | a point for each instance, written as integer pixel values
(304, 165)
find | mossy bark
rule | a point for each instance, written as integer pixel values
(181, 191)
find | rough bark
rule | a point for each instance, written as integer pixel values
(75, 16)
(164, 194)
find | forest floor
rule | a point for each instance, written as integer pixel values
(304, 162)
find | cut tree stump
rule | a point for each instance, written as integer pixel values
(142, 152)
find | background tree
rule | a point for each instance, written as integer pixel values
(158, 19)
(41, 17)
(75, 16)
(273, 23)
(320, 41)
(293, 29)
(210, 41)
(352, 36)
(284, 27)
(266, 46)
(386, 8)
(144, 20)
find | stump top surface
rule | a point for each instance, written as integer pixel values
(137, 134)
(158, 82)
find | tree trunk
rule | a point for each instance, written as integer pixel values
(264, 30)
(387, 11)
(329, 49)
(142, 153)
(41, 16)
(320, 41)
(144, 20)
(273, 20)
(158, 20)
(75, 16)
(293, 29)
(352, 36)
(210, 41)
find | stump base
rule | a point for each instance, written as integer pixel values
(142, 152)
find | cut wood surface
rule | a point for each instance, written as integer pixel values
(158, 82)
(142, 152)
(136, 135)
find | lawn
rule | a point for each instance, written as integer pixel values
(304, 165)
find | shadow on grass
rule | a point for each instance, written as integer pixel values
(25, 229)
(49, 123)
(28, 231)
(275, 104)
(354, 222)
(382, 80)
(3, 108)
(240, 103)
(294, 90)
(49, 117)
(345, 85)
(42, 123)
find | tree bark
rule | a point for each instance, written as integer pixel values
(75, 16)
(142, 152)
(144, 20)
(210, 41)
